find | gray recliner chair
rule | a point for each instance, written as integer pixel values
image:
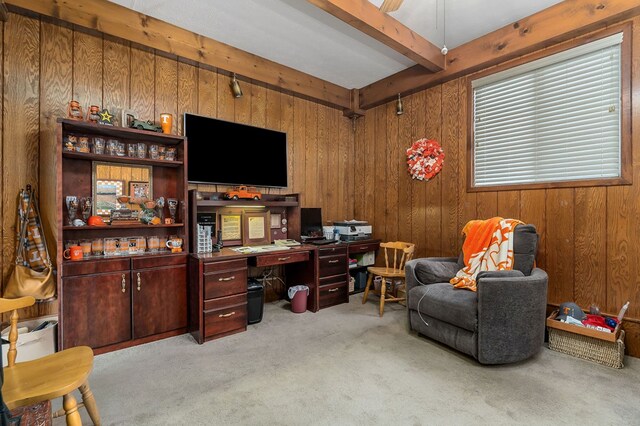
(503, 322)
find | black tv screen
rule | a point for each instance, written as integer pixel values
(221, 152)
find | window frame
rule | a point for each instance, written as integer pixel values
(626, 160)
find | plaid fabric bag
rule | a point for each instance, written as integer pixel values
(33, 272)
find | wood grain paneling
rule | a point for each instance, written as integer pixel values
(166, 79)
(116, 65)
(433, 217)
(142, 97)
(113, 73)
(21, 125)
(187, 93)
(590, 246)
(87, 69)
(588, 235)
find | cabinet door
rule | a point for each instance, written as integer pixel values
(159, 300)
(96, 309)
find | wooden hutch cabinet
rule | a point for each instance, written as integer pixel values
(137, 294)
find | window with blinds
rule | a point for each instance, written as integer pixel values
(555, 119)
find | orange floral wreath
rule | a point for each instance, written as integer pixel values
(425, 159)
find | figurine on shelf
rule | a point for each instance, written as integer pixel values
(93, 116)
(85, 208)
(74, 111)
(105, 117)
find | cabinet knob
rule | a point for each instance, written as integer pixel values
(138, 274)
(227, 315)
(124, 284)
(233, 277)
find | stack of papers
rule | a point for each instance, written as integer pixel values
(260, 249)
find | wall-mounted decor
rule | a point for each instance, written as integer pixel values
(425, 159)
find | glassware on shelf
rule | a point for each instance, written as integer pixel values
(98, 145)
(97, 247)
(121, 149)
(142, 150)
(111, 246)
(171, 153)
(172, 203)
(132, 150)
(162, 152)
(83, 144)
(72, 208)
(86, 247)
(141, 244)
(153, 152)
(112, 147)
(163, 243)
(85, 208)
(70, 142)
(153, 243)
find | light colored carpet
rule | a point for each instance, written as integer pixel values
(345, 365)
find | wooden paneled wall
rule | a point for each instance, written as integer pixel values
(45, 64)
(589, 236)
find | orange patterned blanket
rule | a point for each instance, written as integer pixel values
(488, 247)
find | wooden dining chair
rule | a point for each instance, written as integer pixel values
(400, 253)
(49, 377)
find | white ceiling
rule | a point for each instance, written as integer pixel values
(299, 35)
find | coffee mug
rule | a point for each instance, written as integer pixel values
(174, 243)
(73, 253)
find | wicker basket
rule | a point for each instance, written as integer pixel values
(603, 348)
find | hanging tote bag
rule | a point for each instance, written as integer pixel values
(33, 273)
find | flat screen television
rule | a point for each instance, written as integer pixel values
(221, 152)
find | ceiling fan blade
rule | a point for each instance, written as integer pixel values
(390, 5)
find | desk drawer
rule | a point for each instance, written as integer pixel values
(225, 302)
(363, 247)
(329, 251)
(281, 258)
(224, 320)
(225, 265)
(333, 265)
(334, 293)
(219, 284)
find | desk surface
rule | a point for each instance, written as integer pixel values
(229, 253)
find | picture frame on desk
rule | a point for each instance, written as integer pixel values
(256, 228)
(230, 226)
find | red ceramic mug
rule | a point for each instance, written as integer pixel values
(73, 253)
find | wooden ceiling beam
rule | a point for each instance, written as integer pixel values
(555, 24)
(118, 21)
(4, 13)
(364, 16)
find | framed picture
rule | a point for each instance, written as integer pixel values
(106, 198)
(231, 228)
(255, 228)
(128, 116)
(139, 190)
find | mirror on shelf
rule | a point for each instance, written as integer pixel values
(114, 180)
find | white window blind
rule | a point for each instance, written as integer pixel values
(551, 120)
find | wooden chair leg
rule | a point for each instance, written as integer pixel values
(366, 289)
(383, 292)
(90, 403)
(71, 410)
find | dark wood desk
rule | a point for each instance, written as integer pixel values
(218, 282)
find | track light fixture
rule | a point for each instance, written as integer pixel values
(235, 87)
(399, 107)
